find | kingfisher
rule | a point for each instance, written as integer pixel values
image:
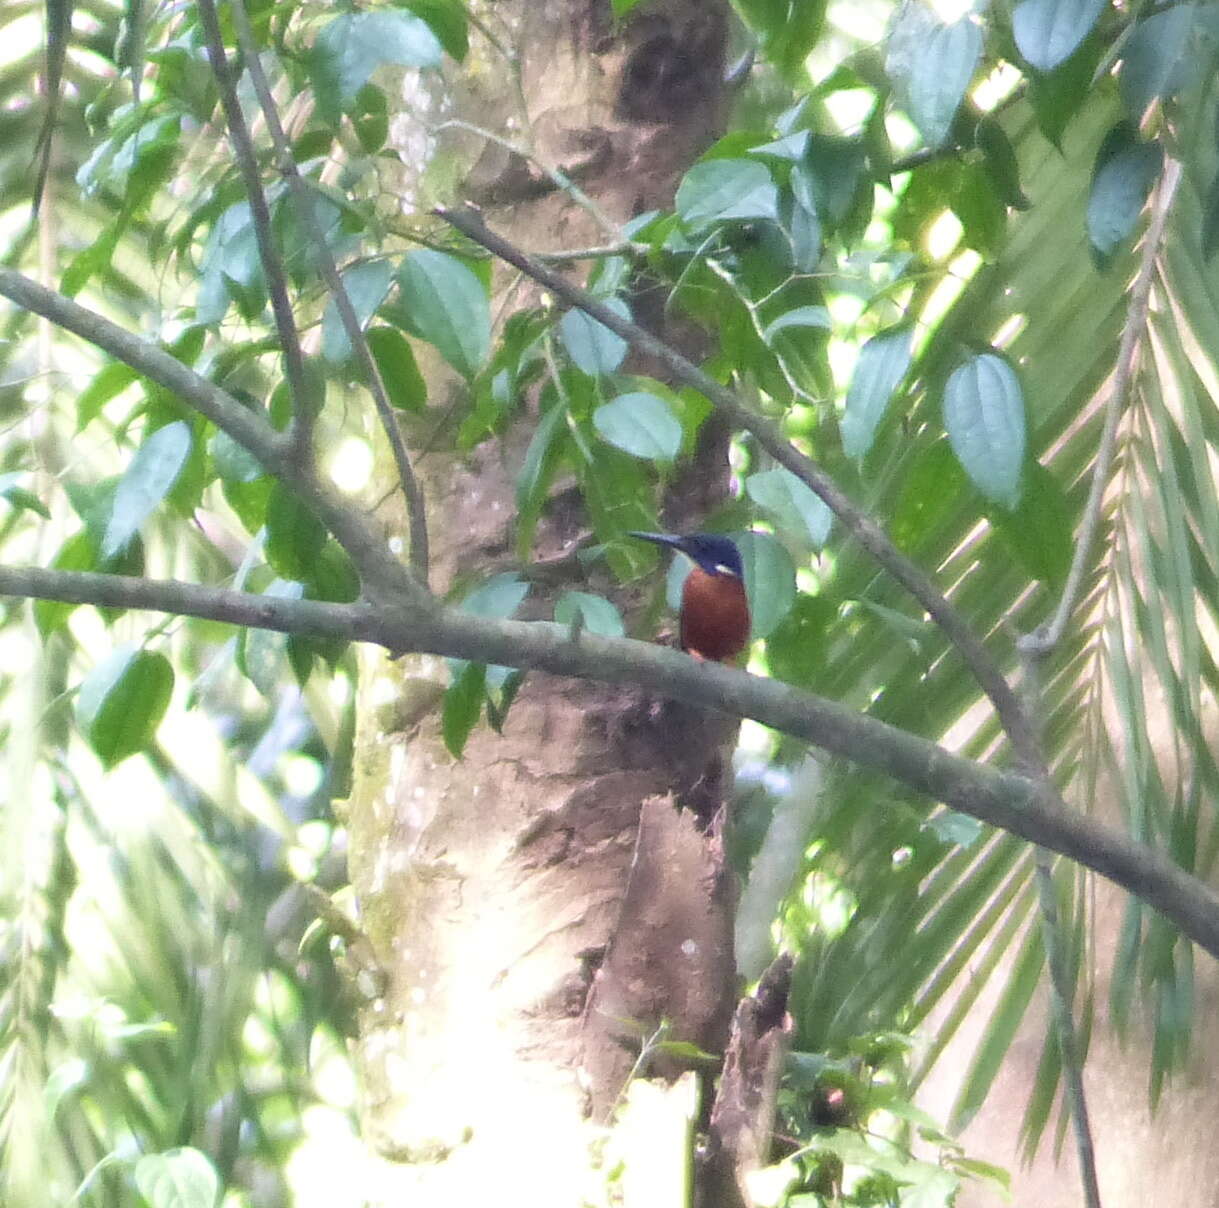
(714, 609)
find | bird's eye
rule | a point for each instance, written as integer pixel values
(721, 569)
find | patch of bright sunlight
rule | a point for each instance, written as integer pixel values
(754, 739)
(997, 87)
(946, 293)
(842, 356)
(351, 464)
(330, 1165)
(849, 107)
(829, 904)
(861, 19)
(949, 11)
(902, 133)
(301, 774)
(942, 235)
(1009, 329)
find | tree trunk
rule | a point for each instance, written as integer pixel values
(542, 906)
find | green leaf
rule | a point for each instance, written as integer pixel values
(883, 363)
(984, 416)
(496, 599)
(586, 611)
(19, 497)
(366, 285)
(91, 260)
(1156, 57)
(233, 461)
(403, 382)
(1048, 32)
(177, 1178)
(112, 379)
(353, 45)
(799, 316)
(333, 576)
(593, 348)
(148, 479)
(1001, 163)
(829, 177)
(770, 580)
(121, 702)
(1125, 171)
(1040, 530)
(722, 189)
(641, 424)
(448, 21)
(931, 65)
(794, 504)
(463, 703)
(537, 470)
(261, 652)
(446, 305)
(295, 536)
(370, 118)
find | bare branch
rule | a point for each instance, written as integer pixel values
(260, 214)
(1005, 799)
(415, 505)
(865, 530)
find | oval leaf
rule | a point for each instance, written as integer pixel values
(1122, 180)
(295, 536)
(1047, 32)
(366, 285)
(496, 599)
(403, 382)
(121, 702)
(931, 65)
(581, 609)
(447, 306)
(153, 471)
(19, 497)
(177, 1178)
(726, 188)
(770, 580)
(593, 348)
(794, 504)
(984, 415)
(883, 362)
(463, 704)
(800, 316)
(1156, 58)
(641, 424)
(353, 45)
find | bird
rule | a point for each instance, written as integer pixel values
(714, 609)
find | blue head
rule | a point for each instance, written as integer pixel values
(715, 554)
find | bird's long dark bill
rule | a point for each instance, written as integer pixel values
(659, 539)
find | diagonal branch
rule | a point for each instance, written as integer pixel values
(1014, 802)
(299, 188)
(380, 572)
(260, 214)
(861, 526)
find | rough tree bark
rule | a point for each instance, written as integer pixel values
(539, 906)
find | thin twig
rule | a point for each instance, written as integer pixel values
(1045, 639)
(865, 530)
(260, 214)
(299, 189)
(560, 178)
